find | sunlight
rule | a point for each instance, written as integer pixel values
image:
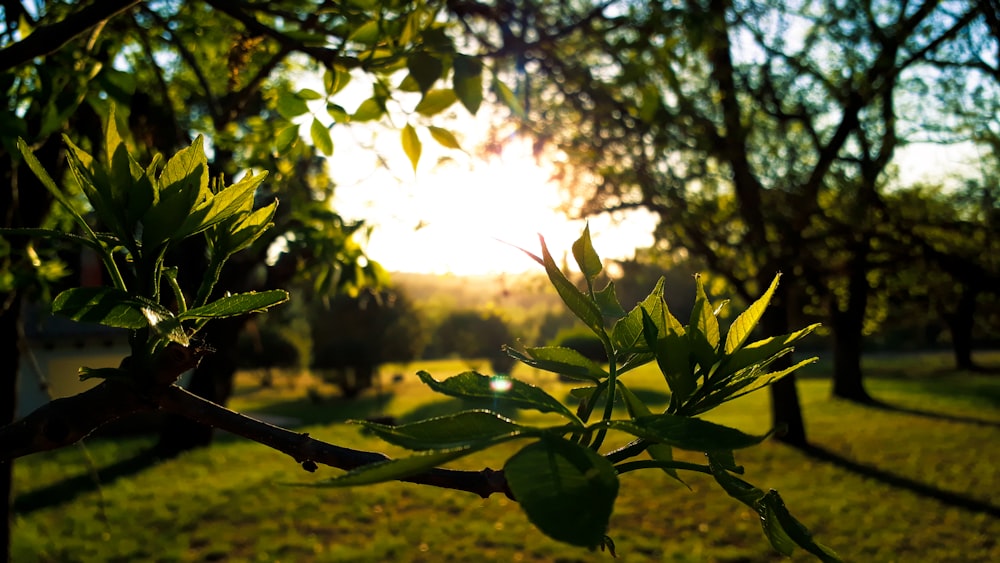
(469, 218)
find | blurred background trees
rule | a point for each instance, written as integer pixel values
(763, 134)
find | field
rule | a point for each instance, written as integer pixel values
(882, 485)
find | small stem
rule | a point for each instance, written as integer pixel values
(112, 268)
(208, 282)
(609, 406)
(178, 294)
(654, 464)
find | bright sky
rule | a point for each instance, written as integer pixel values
(462, 216)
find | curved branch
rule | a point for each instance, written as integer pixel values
(62, 422)
(309, 451)
(50, 38)
(324, 55)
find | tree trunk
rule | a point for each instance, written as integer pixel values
(960, 325)
(213, 380)
(848, 382)
(24, 202)
(847, 323)
(786, 411)
(10, 310)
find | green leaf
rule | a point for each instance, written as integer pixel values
(761, 351)
(745, 323)
(244, 230)
(183, 185)
(50, 184)
(564, 361)
(187, 171)
(338, 113)
(444, 137)
(81, 164)
(321, 137)
(143, 192)
(120, 179)
(567, 490)
(238, 304)
(467, 81)
(586, 256)
(513, 392)
(478, 428)
(607, 301)
(368, 110)
(290, 106)
(780, 527)
(686, 433)
(366, 33)
(219, 207)
(704, 328)
(395, 469)
(411, 145)
(665, 454)
(334, 80)
(580, 304)
(672, 350)
(508, 98)
(627, 333)
(309, 94)
(633, 403)
(435, 101)
(778, 522)
(425, 69)
(109, 307)
(286, 137)
(756, 381)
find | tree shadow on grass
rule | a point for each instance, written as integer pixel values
(882, 405)
(288, 414)
(68, 489)
(952, 499)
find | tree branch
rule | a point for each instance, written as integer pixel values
(50, 38)
(324, 55)
(65, 421)
(62, 422)
(309, 451)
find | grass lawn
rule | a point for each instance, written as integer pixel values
(934, 494)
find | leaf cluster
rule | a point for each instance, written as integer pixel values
(563, 479)
(143, 212)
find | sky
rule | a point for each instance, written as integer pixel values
(459, 213)
(467, 217)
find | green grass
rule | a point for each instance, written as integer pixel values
(237, 501)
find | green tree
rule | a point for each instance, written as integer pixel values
(473, 335)
(760, 140)
(353, 336)
(947, 250)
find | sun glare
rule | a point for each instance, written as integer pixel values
(471, 218)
